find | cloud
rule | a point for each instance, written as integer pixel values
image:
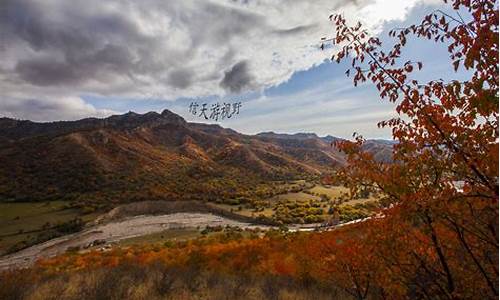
(164, 49)
(296, 30)
(45, 72)
(50, 109)
(237, 78)
(335, 108)
(181, 78)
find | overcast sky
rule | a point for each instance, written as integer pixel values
(65, 60)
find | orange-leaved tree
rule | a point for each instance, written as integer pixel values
(439, 233)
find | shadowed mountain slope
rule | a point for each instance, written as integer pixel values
(134, 157)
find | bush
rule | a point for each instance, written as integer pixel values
(349, 213)
(71, 226)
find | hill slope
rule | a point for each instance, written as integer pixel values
(133, 157)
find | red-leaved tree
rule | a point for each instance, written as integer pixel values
(439, 234)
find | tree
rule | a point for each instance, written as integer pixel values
(442, 189)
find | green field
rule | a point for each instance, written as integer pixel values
(331, 191)
(300, 196)
(25, 221)
(244, 211)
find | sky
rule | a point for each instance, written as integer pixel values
(66, 60)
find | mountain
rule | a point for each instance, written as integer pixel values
(147, 156)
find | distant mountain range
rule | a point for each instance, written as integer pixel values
(146, 156)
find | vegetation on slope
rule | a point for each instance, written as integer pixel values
(434, 240)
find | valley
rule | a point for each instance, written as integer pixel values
(133, 157)
(108, 234)
(278, 150)
(61, 178)
(33, 230)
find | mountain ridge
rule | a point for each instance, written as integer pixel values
(154, 155)
(114, 119)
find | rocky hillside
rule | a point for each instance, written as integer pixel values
(147, 156)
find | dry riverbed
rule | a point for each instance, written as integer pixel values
(116, 231)
(124, 229)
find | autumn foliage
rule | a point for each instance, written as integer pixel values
(437, 235)
(296, 262)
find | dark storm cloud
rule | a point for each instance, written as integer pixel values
(46, 72)
(73, 49)
(237, 78)
(75, 68)
(77, 44)
(79, 30)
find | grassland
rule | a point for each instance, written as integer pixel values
(300, 196)
(330, 191)
(25, 223)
